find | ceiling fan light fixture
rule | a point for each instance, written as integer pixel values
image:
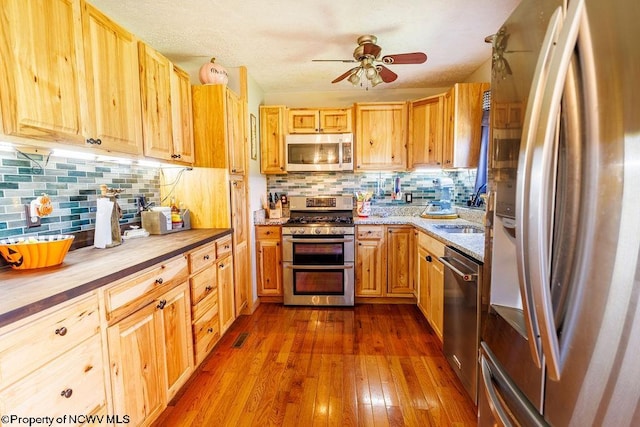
(376, 80)
(354, 78)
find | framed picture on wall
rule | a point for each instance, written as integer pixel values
(254, 140)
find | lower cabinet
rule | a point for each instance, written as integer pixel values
(430, 276)
(384, 261)
(151, 355)
(269, 260)
(226, 292)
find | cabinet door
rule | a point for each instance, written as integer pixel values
(239, 211)
(41, 89)
(371, 271)
(423, 265)
(426, 132)
(269, 263)
(304, 121)
(381, 136)
(436, 292)
(335, 121)
(272, 149)
(113, 86)
(226, 293)
(235, 134)
(400, 246)
(176, 341)
(155, 86)
(137, 379)
(182, 116)
(241, 275)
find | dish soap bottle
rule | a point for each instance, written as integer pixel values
(176, 217)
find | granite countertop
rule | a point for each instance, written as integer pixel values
(25, 292)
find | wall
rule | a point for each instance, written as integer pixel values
(74, 186)
(420, 184)
(346, 98)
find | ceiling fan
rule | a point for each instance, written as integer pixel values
(367, 53)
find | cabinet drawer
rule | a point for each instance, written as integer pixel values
(431, 244)
(223, 246)
(203, 284)
(268, 232)
(130, 295)
(205, 305)
(206, 333)
(72, 384)
(202, 257)
(369, 232)
(28, 347)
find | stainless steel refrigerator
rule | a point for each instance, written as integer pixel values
(561, 341)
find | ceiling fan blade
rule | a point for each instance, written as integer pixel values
(405, 58)
(344, 76)
(386, 74)
(334, 60)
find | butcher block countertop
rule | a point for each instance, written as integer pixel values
(23, 293)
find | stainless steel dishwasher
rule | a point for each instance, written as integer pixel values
(461, 329)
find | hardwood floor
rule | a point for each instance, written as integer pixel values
(372, 365)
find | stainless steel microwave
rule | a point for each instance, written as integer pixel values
(319, 152)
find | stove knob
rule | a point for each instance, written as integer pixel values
(318, 231)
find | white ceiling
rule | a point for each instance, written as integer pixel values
(276, 40)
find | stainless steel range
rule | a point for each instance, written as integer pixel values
(318, 247)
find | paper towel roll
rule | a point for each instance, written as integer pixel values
(102, 236)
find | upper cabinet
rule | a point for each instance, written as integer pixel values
(425, 132)
(381, 135)
(42, 91)
(507, 115)
(113, 87)
(218, 128)
(322, 120)
(166, 108)
(272, 155)
(462, 125)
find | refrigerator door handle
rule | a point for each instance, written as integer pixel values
(524, 181)
(540, 197)
(497, 410)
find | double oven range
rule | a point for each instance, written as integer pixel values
(318, 248)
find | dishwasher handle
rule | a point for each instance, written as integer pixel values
(467, 276)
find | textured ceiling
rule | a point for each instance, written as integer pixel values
(277, 40)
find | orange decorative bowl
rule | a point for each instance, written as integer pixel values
(24, 253)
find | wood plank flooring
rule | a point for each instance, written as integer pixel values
(371, 365)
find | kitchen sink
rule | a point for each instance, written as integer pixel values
(459, 228)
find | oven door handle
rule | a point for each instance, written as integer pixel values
(317, 267)
(314, 240)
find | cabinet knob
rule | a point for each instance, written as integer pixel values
(226, 246)
(159, 281)
(210, 330)
(61, 331)
(428, 258)
(281, 168)
(162, 304)
(267, 233)
(370, 142)
(221, 266)
(206, 257)
(66, 393)
(208, 288)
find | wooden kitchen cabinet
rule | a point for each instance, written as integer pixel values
(41, 96)
(431, 281)
(239, 203)
(462, 125)
(226, 292)
(425, 132)
(52, 362)
(371, 261)
(218, 124)
(381, 136)
(400, 247)
(272, 134)
(507, 115)
(166, 108)
(149, 339)
(320, 120)
(269, 260)
(113, 86)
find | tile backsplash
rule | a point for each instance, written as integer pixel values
(419, 183)
(73, 186)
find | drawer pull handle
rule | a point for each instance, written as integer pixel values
(66, 393)
(206, 257)
(226, 246)
(208, 288)
(159, 280)
(162, 303)
(221, 266)
(61, 331)
(210, 330)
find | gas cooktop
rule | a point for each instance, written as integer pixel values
(320, 219)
